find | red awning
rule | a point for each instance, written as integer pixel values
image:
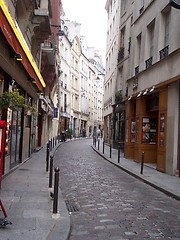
(13, 41)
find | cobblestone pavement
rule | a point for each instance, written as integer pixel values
(107, 203)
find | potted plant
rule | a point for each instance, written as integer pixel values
(12, 100)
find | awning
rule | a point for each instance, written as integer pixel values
(15, 38)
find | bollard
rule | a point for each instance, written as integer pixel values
(51, 172)
(49, 145)
(142, 162)
(103, 147)
(56, 185)
(110, 151)
(53, 142)
(47, 158)
(98, 143)
(119, 154)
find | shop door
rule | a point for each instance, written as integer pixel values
(16, 130)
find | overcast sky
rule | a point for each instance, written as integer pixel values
(93, 18)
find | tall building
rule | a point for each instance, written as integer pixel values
(147, 82)
(113, 12)
(82, 66)
(152, 112)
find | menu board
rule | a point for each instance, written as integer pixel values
(149, 130)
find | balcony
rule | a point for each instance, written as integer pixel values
(148, 62)
(141, 10)
(136, 70)
(41, 21)
(164, 52)
(121, 54)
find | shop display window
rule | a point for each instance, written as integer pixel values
(149, 130)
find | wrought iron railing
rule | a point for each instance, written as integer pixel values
(164, 52)
(148, 62)
(136, 70)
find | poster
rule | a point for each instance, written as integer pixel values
(133, 131)
(149, 134)
(162, 127)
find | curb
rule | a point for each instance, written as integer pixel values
(140, 177)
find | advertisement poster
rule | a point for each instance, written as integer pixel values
(162, 126)
(133, 131)
(149, 134)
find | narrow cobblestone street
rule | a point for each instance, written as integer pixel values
(107, 203)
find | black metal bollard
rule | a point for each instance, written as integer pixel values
(103, 147)
(47, 158)
(53, 142)
(110, 151)
(142, 162)
(50, 145)
(56, 185)
(98, 143)
(119, 149)
(51, 172)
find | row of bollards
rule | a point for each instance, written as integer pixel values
(119, 152)
(110, 148)
(49, 168)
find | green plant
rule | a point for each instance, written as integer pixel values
(30, 110)
(118, 97)
(13, 100)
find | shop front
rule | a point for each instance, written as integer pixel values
(145, 132)
(18, 72)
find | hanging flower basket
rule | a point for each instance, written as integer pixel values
(12, 100)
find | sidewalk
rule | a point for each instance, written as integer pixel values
(168, 184)
(27, 201)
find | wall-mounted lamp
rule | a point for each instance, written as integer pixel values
(152, 89)
(140, 93)
(129, 98)
(145, 92)
(18, 57)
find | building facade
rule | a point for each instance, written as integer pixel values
(113, 12)
(152, 114)
(25, 35)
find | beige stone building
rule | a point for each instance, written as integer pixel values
(113, 12)
(152, 106)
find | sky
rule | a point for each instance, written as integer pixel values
(93, 18)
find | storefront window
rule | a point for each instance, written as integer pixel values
(149, 134)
